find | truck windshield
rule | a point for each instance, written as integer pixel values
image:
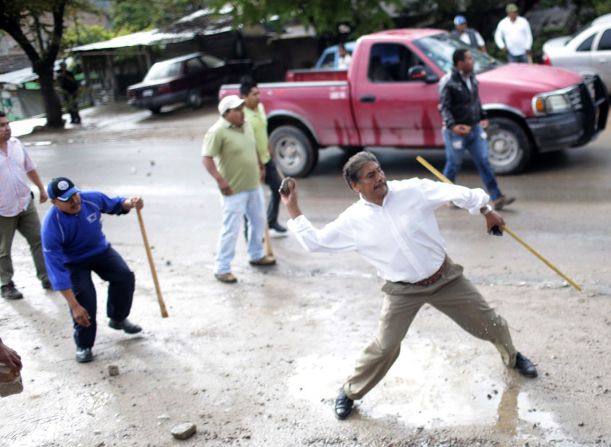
(440, 48)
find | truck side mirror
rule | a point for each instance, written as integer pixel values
(416, 73)
(421, 73)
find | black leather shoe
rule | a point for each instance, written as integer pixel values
(127, 326)
(10, 292)
(46, 284)
(84, 355)
(276, 226)
(343, 405)
(525, 366)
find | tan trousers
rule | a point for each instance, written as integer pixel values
(452, 294)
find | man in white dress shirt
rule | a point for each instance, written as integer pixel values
(393, 227)
(514, 36)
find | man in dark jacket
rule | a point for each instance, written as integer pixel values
(464, 123)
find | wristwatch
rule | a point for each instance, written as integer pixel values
(485, 210)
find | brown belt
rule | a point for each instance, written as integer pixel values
(431, 279)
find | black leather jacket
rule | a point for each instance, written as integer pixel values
(458, 104)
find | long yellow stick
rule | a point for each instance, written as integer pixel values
(443, 178)
(149, 255)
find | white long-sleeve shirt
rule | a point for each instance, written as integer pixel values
(15, 164)
(401, 238)
(515, 36)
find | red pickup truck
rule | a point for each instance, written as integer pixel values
(391, 94)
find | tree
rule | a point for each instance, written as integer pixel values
(363, 16)
(37, 26)
(138, 15)
(77, 34)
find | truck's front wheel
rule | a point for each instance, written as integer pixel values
(509, 148)
(293, 151)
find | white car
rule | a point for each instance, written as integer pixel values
(586, 52)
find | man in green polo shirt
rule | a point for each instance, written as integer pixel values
(230, 156)
(254, 113)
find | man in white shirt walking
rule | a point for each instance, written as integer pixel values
(393, 227)
(17, 210)
(514, 36)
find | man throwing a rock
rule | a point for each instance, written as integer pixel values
(393, 227)
(74, 246)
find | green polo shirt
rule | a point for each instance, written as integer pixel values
(235, 154)
(258, 121)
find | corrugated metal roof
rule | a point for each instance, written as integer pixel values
(18, 76)
(152, 37)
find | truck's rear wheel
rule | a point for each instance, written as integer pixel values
(294, 152)
(509, 148)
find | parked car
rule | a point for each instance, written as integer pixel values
(184, 79)
(330, 56)
(587, 52)
(390, 98)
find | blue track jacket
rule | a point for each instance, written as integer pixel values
(72, 238)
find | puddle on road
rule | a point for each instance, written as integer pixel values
(434, 388)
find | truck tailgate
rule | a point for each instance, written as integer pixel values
(324, 108)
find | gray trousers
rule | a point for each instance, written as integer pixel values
(28, 224)
(452, 294)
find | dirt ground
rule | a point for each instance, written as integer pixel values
(259, 363)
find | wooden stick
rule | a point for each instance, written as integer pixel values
(267, 243)
(443, 178)
(149, 255)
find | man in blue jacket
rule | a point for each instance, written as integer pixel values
(74, 246)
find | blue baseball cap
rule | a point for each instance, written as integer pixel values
(61, 188)
(460, 20)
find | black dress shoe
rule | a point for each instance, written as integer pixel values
(125, 325)
(525, 366)
(84, 355)
(10, 292)
(343, 405)
(276, 226)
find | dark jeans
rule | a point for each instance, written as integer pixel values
(273, 180)
(111, 267)
(477, 145)
(521, 58)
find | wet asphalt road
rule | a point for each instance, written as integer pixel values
(259, 363)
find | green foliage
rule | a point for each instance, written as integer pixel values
(138, 15)
(363, 16)
(78, 34)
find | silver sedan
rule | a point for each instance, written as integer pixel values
(587, 52)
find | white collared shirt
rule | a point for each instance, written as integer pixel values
(401, 238)
(15, 193)
(515, 36)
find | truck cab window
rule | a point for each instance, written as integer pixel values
(390, 62)
(329, 60)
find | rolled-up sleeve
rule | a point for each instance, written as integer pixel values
(335, 237)
(28, 164)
